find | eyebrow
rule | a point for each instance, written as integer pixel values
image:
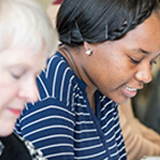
(143, 51)
(140, 50)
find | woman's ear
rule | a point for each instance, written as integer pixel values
(88, 48)
(87, 45)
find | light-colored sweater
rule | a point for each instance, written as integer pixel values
(139, 140)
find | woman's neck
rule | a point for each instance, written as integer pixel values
(75, 58)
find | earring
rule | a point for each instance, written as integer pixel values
(88, 52)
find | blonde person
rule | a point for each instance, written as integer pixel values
(107, 52)
(139, 140)
(27, 39)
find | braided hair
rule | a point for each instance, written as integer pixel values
(99, 20)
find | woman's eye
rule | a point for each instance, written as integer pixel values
(16, 76)
(135, 61)
(17, 72)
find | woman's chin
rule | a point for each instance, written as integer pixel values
(6, 128)
(120, 100)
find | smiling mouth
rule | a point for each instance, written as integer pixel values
(131, 89)
(129, 92)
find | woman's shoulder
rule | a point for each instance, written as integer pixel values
(55, 75)
(56, 63)
(58, 80)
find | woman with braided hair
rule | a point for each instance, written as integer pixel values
(107, 51)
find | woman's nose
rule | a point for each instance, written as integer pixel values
(144, 74)
(29, 91)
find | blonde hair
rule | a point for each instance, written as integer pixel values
(24, 23)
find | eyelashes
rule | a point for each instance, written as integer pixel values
(16, 76)
(135, 61)
(138, 61)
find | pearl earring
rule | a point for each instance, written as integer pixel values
(88, 52)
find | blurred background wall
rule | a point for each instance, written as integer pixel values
(146, 105)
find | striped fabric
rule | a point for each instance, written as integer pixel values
(62, 123)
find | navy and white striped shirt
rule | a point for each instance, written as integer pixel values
(62, 123)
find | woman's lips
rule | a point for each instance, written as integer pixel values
(16, 112)
(129, 92)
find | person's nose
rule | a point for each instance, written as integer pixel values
(144, 73)
(29, 91)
